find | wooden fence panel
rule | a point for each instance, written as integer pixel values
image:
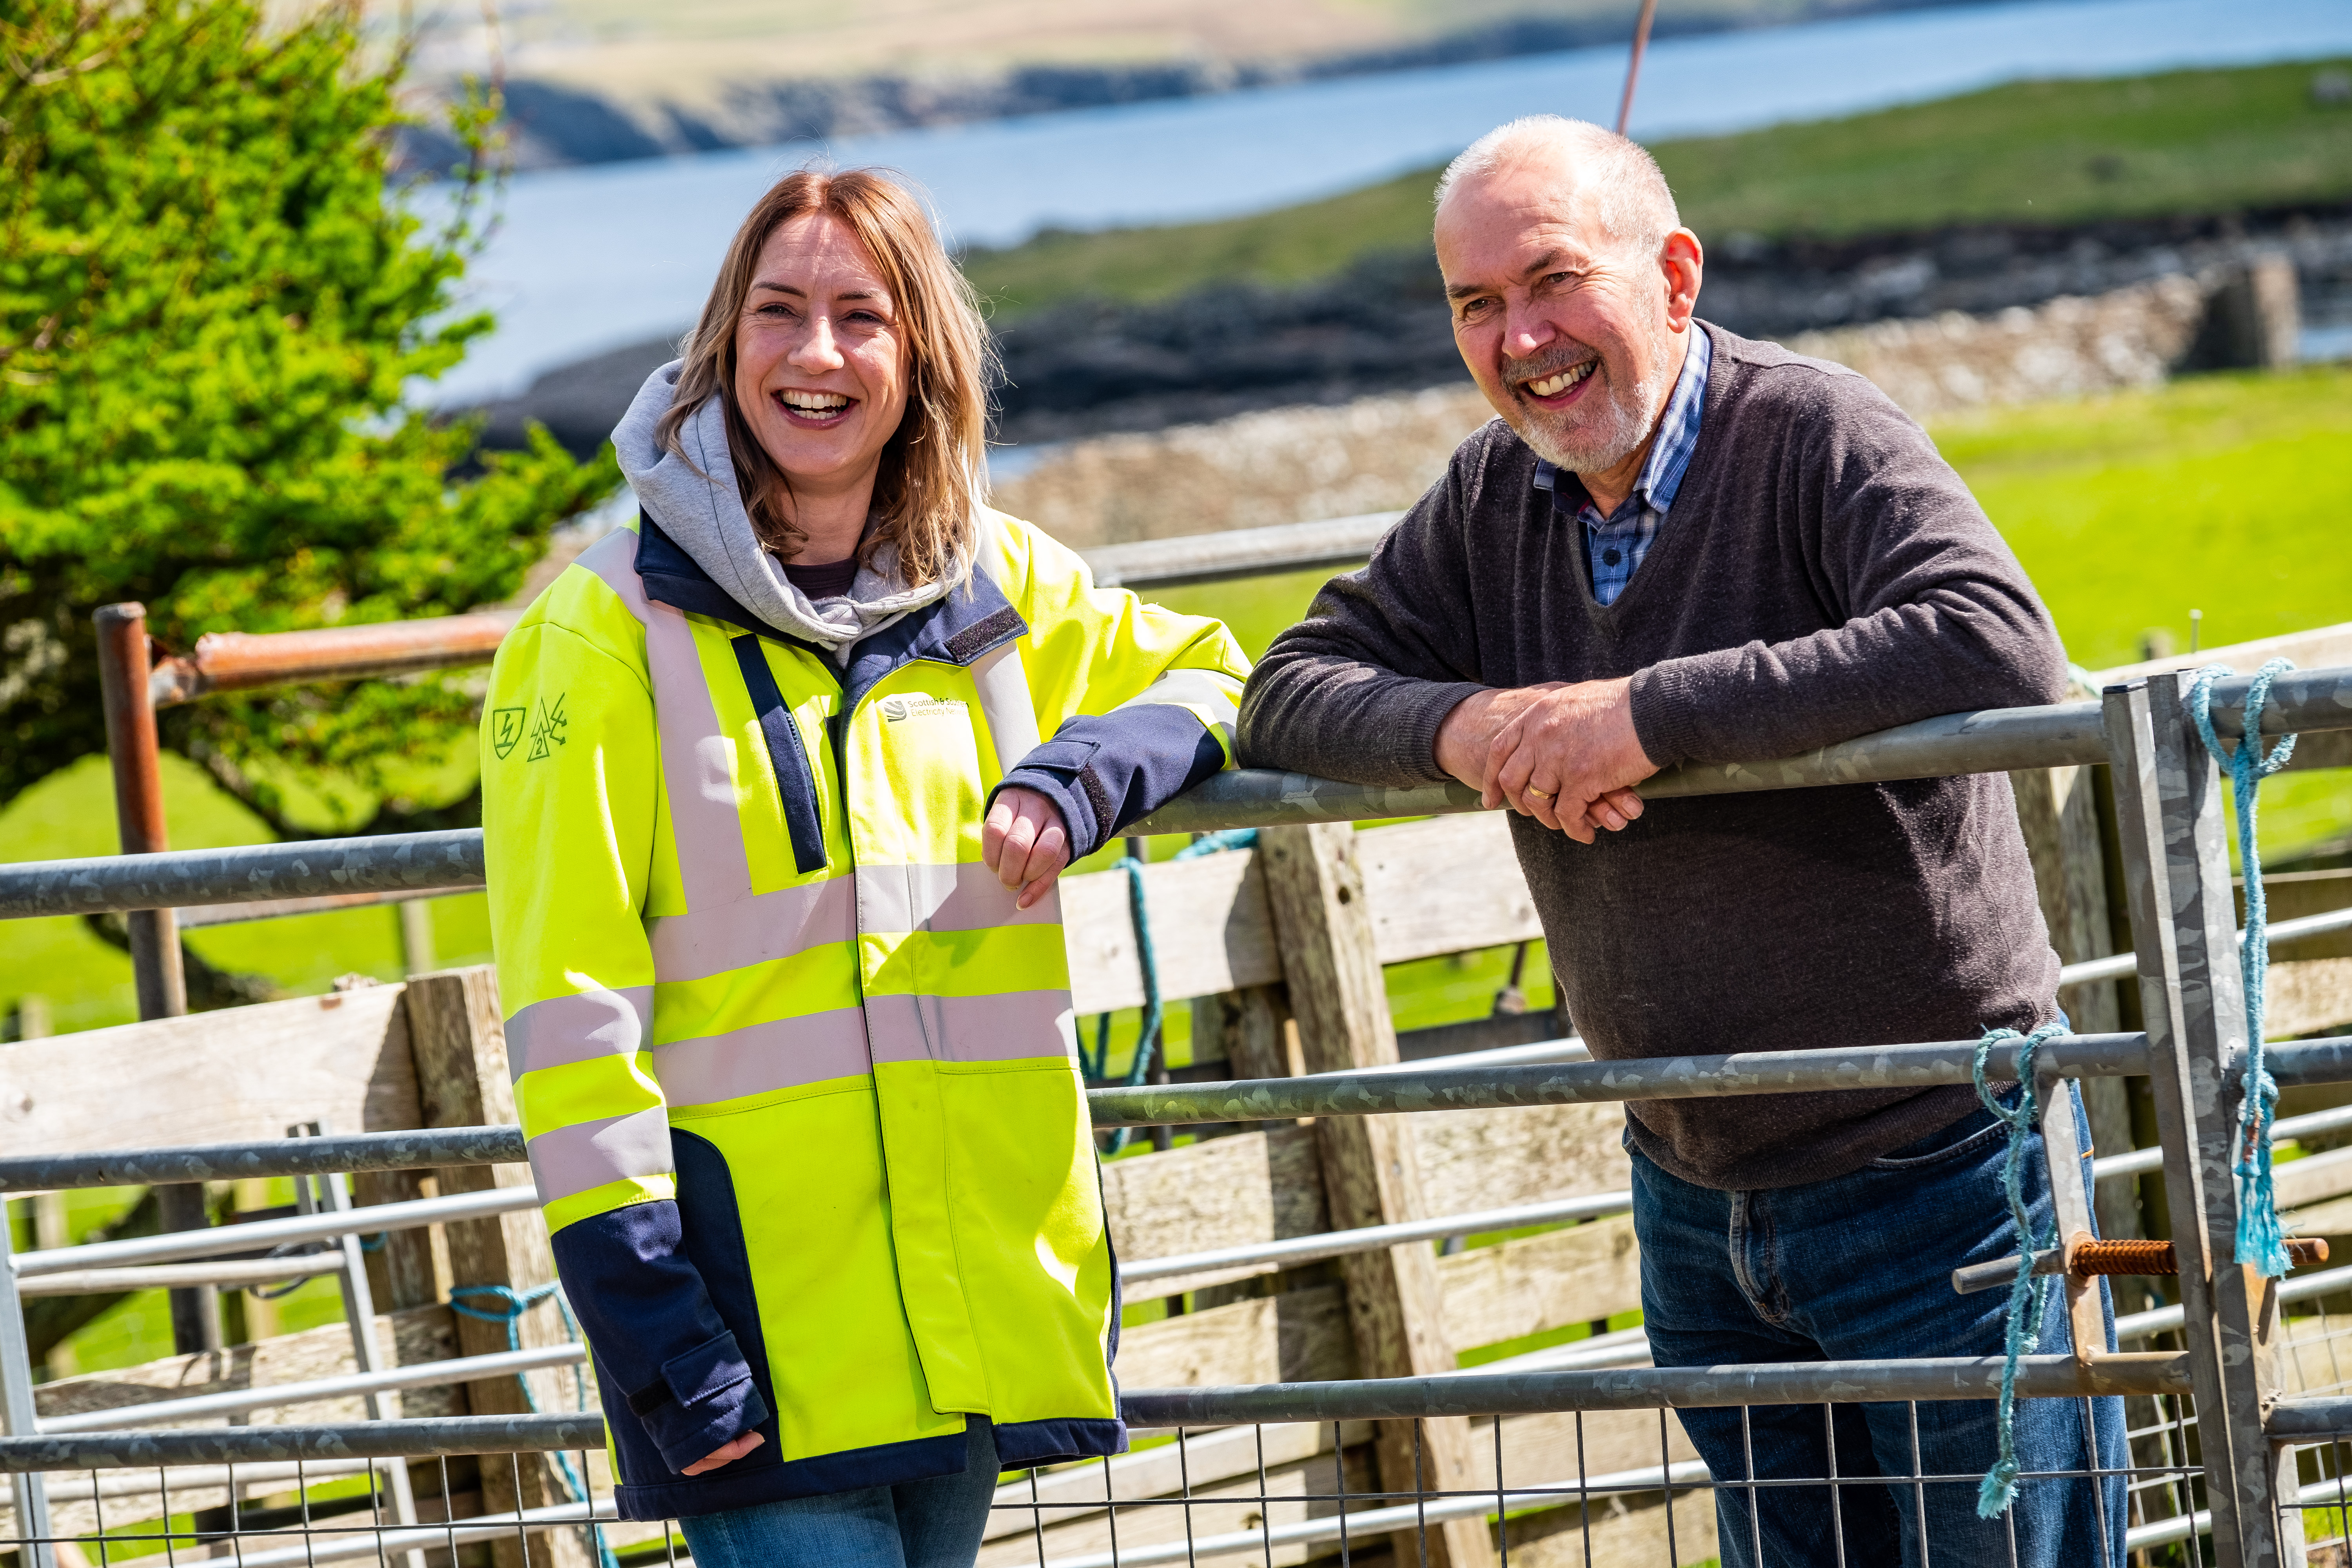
(1225, 1192)
(243, 1073)
(1472, 1160)
(1299, 1336)
(1533, 1284)
(1446, 884)
(1210, 931)
(1224, 1506)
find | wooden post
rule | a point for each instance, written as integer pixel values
(459, 1045)
(1371, 1176)
(2058, 809)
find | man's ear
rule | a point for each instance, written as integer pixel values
(1682, 260)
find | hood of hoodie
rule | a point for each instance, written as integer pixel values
(699, 506)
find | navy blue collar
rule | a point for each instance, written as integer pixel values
(960, 626)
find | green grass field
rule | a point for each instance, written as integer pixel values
(2035, 152)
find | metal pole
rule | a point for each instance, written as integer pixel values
(415, 938)
(139, 799)
(2245, 1303)
(1633, 67)
(359, 1309)
(2169, 811)
(32, 1498)
(131, 747)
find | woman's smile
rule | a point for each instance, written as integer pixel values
(810, 410)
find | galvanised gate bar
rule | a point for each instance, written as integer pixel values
(1542, 1456)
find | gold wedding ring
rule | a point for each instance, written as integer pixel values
(1540, 793)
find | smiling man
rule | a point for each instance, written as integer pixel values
(1679, 545)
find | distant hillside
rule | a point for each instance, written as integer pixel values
(1976, 204)
(592, 81)
(2038, 155)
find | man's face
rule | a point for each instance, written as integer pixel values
(1570, 333)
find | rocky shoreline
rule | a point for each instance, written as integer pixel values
(550, 124)
(1093, 368)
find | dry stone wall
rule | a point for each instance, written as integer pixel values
(1378, 453)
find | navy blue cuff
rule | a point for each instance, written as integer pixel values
(1104, 772)
(1058, 771)
(705, 1400)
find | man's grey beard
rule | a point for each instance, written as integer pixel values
(1606, 434)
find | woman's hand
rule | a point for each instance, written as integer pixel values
(1024, 843)
(726, 1456)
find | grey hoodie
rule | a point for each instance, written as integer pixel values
(698, 505)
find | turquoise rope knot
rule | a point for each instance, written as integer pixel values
(2262, 1243)
(2029, 1295)
(511, 1305)
(1147, 1039)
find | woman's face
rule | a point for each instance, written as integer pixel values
(820, 361)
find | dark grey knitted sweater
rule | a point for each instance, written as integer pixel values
(1823, 573)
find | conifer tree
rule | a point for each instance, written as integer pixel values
(215, 306)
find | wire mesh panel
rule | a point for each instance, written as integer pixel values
(1590, 1488)
(1593, 1488)
(274, 1514)
(2316, 1358)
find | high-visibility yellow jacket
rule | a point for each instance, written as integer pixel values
(798, 1080)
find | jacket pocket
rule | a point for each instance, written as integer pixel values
(787, 756)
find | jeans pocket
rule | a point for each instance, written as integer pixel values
(1973, 1144)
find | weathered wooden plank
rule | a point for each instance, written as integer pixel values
(2315, 1177)
(1228, 1192)
(1630, 1534)
(461, 1047)
(2315, 994)
(1217, 1509)
(1536, 1283)
(1299, 1335)
(1323, 923)
(1222, 1470)
(2319, 648)
(419, 1334)
(241, 1073)
(2057, 808)
(1472, 1160)
(1542, 1450)
(1447, 884)
(1207, 1458)
(1210, 931)
(2291, 895)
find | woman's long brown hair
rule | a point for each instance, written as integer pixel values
(927, 497)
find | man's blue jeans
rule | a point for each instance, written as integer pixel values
(923, 1525)
(1857, 1268)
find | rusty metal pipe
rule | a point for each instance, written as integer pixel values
(131, 748)
(2087, 1259)
(240, 661)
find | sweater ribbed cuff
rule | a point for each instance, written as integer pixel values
(1419, 715)
(1666, 717)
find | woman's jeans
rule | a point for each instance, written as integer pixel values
(922, 1524)
(1859, 1267)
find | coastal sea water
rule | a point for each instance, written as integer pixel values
(587, 260)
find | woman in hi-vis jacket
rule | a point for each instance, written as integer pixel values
(776, 787)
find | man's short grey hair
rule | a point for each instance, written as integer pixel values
(1625, 183)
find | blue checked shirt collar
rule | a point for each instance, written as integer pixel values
(1616, 545)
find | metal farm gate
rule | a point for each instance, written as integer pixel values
(1300, 1395)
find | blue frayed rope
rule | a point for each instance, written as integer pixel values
(511, 1304)
(2029, 1295)
(1148, 1039)
(2261, 1244)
